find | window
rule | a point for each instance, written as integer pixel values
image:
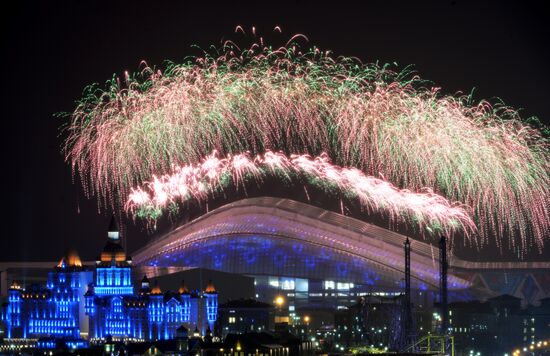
(329, 284)
(288, 284)
(274, 282)
(342, 286)
(232, 320)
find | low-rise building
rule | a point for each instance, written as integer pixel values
(243, 315)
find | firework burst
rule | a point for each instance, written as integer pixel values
(366, 116)
(429, 212)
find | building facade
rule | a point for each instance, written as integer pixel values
(242, 316)
(499, 324)
(102, 303)
(54, 310)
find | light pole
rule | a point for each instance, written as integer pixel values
(280, 318)
(306, 320)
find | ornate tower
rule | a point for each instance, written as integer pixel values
(113, 268)
(155, 313)
(13, 312)
(65, 285)
(185, 303)
(211, 306)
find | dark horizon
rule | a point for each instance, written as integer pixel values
(53, 52)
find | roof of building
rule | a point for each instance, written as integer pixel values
(70, 260)
(210, 287)
(113, 251)
(183, 288)
(156, 289)
(283, 222)
(15, 286)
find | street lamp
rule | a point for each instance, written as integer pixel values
(280, 301)
(306, 320)
(280, 318)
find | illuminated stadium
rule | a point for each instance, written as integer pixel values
(308, 251)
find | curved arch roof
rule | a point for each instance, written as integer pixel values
(284, 222)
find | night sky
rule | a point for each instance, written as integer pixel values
(51, 51)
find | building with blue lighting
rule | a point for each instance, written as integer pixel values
(55, 310)
(78, 302)
(150, 314)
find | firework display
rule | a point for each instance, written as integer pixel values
(201, 181)
(263, 100)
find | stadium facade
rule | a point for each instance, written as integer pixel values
(321, 259)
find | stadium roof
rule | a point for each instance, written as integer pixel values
(288, 220)
(224, 237)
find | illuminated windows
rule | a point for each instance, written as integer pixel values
(344, 286)
(288, 284)
(329, 285)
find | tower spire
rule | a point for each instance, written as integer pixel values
(113, 231)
